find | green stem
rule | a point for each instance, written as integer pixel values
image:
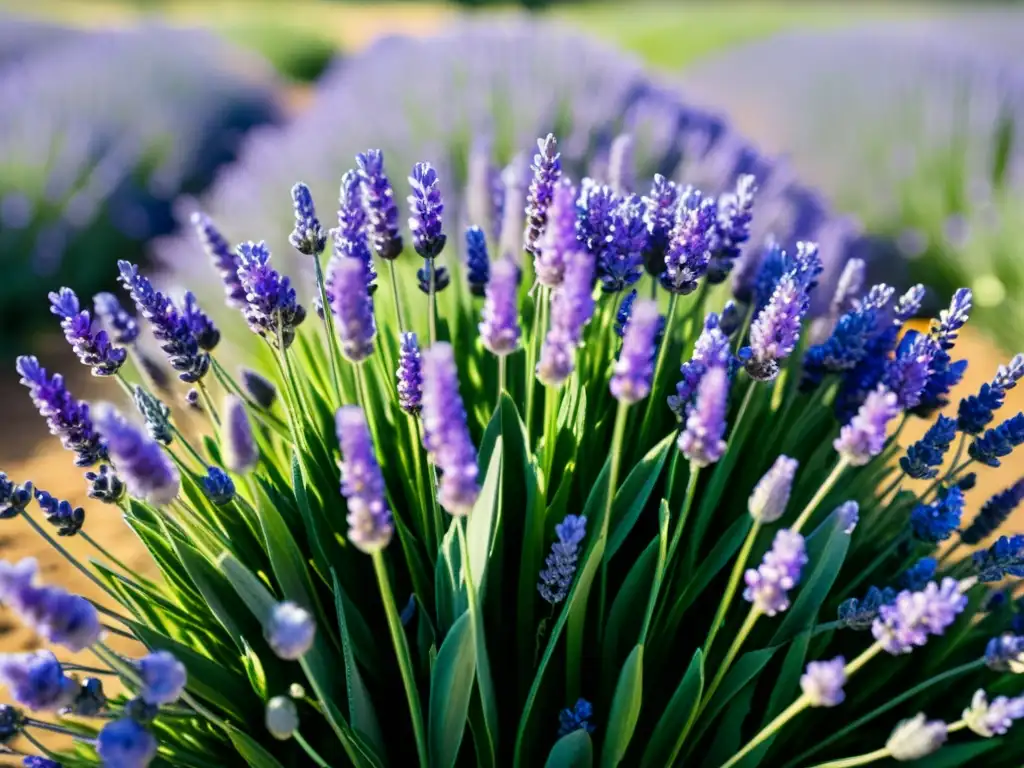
(308, 749)
(618, 432)
(332, 344)
(851, 762)
(404, 658)
(439, 527)
(748, 624)
(211, 410)
(889, 705)
(532, 352)
(819, 495)
(892, 486)
(395, 294)
(684, 513)
(551, 403)
(655, 402)
(431, 303)
(67, 555)
(501, 378)
(732, 586)
(787, 714)
(261, 413)
(103, 551)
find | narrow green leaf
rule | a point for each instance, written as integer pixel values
(360, 706)
(574, 750)
(218, 594)
(677, 713)
(625, 710)
(627, 611)
(631, 498)
(250, 749)
(253, 592)
(743, 671)
(254, 669)
(729, 733)
(481, 523)
(451, 687)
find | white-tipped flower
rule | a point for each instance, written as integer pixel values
(282, 717)
(916, 738)
(768, 501)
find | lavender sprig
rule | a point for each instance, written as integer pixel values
(381, 208)
(272, 309)
(560, 565)
(547, 170)
(369, 520)
(224, 259)
(93, 347)
(425, 211)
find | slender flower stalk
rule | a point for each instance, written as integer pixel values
(547, 170)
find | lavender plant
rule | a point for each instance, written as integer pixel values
(102, 132)
(494, 531)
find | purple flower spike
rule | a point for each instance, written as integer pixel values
(206, 333)
(556, 578)
(776, 330)
(352, 308)
(93, 348)
(163, 678)
(117, 321)
(571, 309)
(908, 622)
(36, 680)
(66, 417)
(478, 263)
(425, 210)
(547, 170)
(141, 462)
(945, 329)
(909, 304)
(559, 239)
(499, 325)
(410, 376)
(660, 208)
(823, 682)
(446, 434)
(621, 166)
(907, 374)
(620, 263)
(711, 349)
(52, 613)
(634, 370)
(224, 259)
(379, 198)
(993, 718)
(290, 631)
(701, 441)
(768, 586)
(732, 229)
(241, 454)
(126, 743)
(369, 520)
(768, 501)
(272, 309)
(308, 237)
(1008, 375)
(689, 251)
(350, 236)
(864, 437)
(170, 326)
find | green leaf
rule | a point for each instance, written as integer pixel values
(360, 706)
(729, 733)
(482, 521)
(254, 669)
(632, 496)
(574, 750)
(625, 710)
(743, 671)
(250, 749)
(677, 713)
(451, 687)
(627, 611)
(253, 592)
(957, 755)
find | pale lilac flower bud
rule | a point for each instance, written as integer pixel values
(362, 484)
(771, 494)
(993, 718)
(864, 437)
(916, 738)
(499, 326)
(290, 631)
(141, 462)
(239, 445)
(768, 586)
(701, 441)
(634, 370)
(823, 682)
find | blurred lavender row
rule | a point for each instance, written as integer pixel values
(917, 128)
(23, 37)
(473, 98)
(101, 131)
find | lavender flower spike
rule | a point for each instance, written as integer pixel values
(945, 329)
(907, 374)
(92, 347)
(768, 501)
(308, 236)
(768, 586)
(571, 308)
(225, 260)
(776, 330)
(634, 370)
(916, 738)
(381, 210)
(425, 210)
(239, 445)
(689, 251)
(272, 309)
(206, 333)
(478, 263)
(126, 743)
(352, 308)
(660, 207)
(170, 327)
(908, 622)
(556, 578)
(559, 239)
(66, 417)
(122, 326)
(446, 434)
(36, 680)
(701, 441)
(547, 170)
(163, 678)
(499, 325)
(350, 236)
(141, 461)
(823, 682)
(732, 230)
(369, 520)
(410, 377)
(54, 614)
(864, 437)
(993, 718)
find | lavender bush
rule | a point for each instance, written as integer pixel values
(630, 514)
(101, 132)
(932, 110)
(481, 96)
